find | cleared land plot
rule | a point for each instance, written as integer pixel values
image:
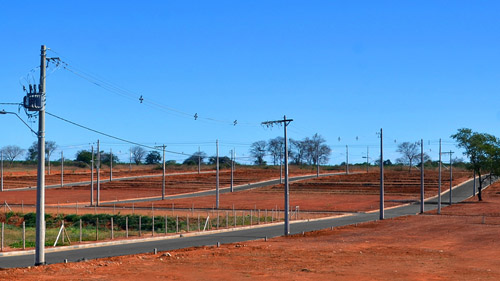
(456, 245)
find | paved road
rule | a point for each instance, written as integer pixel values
(459, 193)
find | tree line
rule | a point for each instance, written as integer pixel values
(308, 151)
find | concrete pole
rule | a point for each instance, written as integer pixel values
(451, 177)
(62, 169)
(439, 180)
(40, 190)
(163, 178)
(317, 161)
(232, 166)
(110, 164)
(474, 185)
(347, 159)
(422, 176)
(281, 167)
(130, 160)
(217, 175)
(381, 175)
(367, 158)
(1, 173)
(92, 178)
(98, 174)
(287, 203)
(199, 161)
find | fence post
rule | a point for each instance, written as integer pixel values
(227, 219)
(217, 219)
(242, 218)
(97, 230)
(126, 226)
(24, 235)
(166, 225)
(187, 223)
(80, 230)
(153, 226)
(77, 207)
(177, 224)
(251, 217)
(112, 233)
(198, 222)
(3, 230)
(22, 206)
(258, 219)
(140, 226)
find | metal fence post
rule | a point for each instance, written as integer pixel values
(97, 230)
(126, 226)
(112, 233)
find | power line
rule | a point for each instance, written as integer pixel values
(111, 136)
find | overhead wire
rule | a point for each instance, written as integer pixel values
(113, 137)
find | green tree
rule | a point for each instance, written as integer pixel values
(193, 159)
(153, 157)
(483, 151)
(84, 156)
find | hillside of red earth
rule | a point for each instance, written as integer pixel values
(460, 244)
(338, 193)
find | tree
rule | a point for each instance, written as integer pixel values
(258, 151)
(409, 152)
(50, 146)
(224, 161)
(316, 150)
(105, 158)
(298, 151)
(138, 154)
(84, 156)
(483, 151)
(11, 152)
(193, 159)
(153, 157)
(275, 147)
(32, 153)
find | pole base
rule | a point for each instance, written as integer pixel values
(40, 263)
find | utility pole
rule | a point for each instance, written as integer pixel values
(317, 161)
(130, 160)
(110, 164)
(62, 169)
(92, 178)
(217, 175)
(439, 180)
(347, 160)
(381, 175)
(451, 174)
(367, 159)
(281, 166)
(1, 173)
(199, 161)
(474, 185)
(163, 177)
(40, 189)
(422, 176)
(287, 190)
(98, 174)
(232, 166)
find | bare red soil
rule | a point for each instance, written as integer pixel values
(460, 244)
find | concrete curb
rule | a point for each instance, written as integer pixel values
(158, 238)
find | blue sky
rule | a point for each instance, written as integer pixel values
(345, 69)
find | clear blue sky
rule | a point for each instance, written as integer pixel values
(419, 69)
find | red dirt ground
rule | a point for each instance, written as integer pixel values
(138, 188)
(457, 245)
(339, 193)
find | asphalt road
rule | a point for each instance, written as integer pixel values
(459, 194)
